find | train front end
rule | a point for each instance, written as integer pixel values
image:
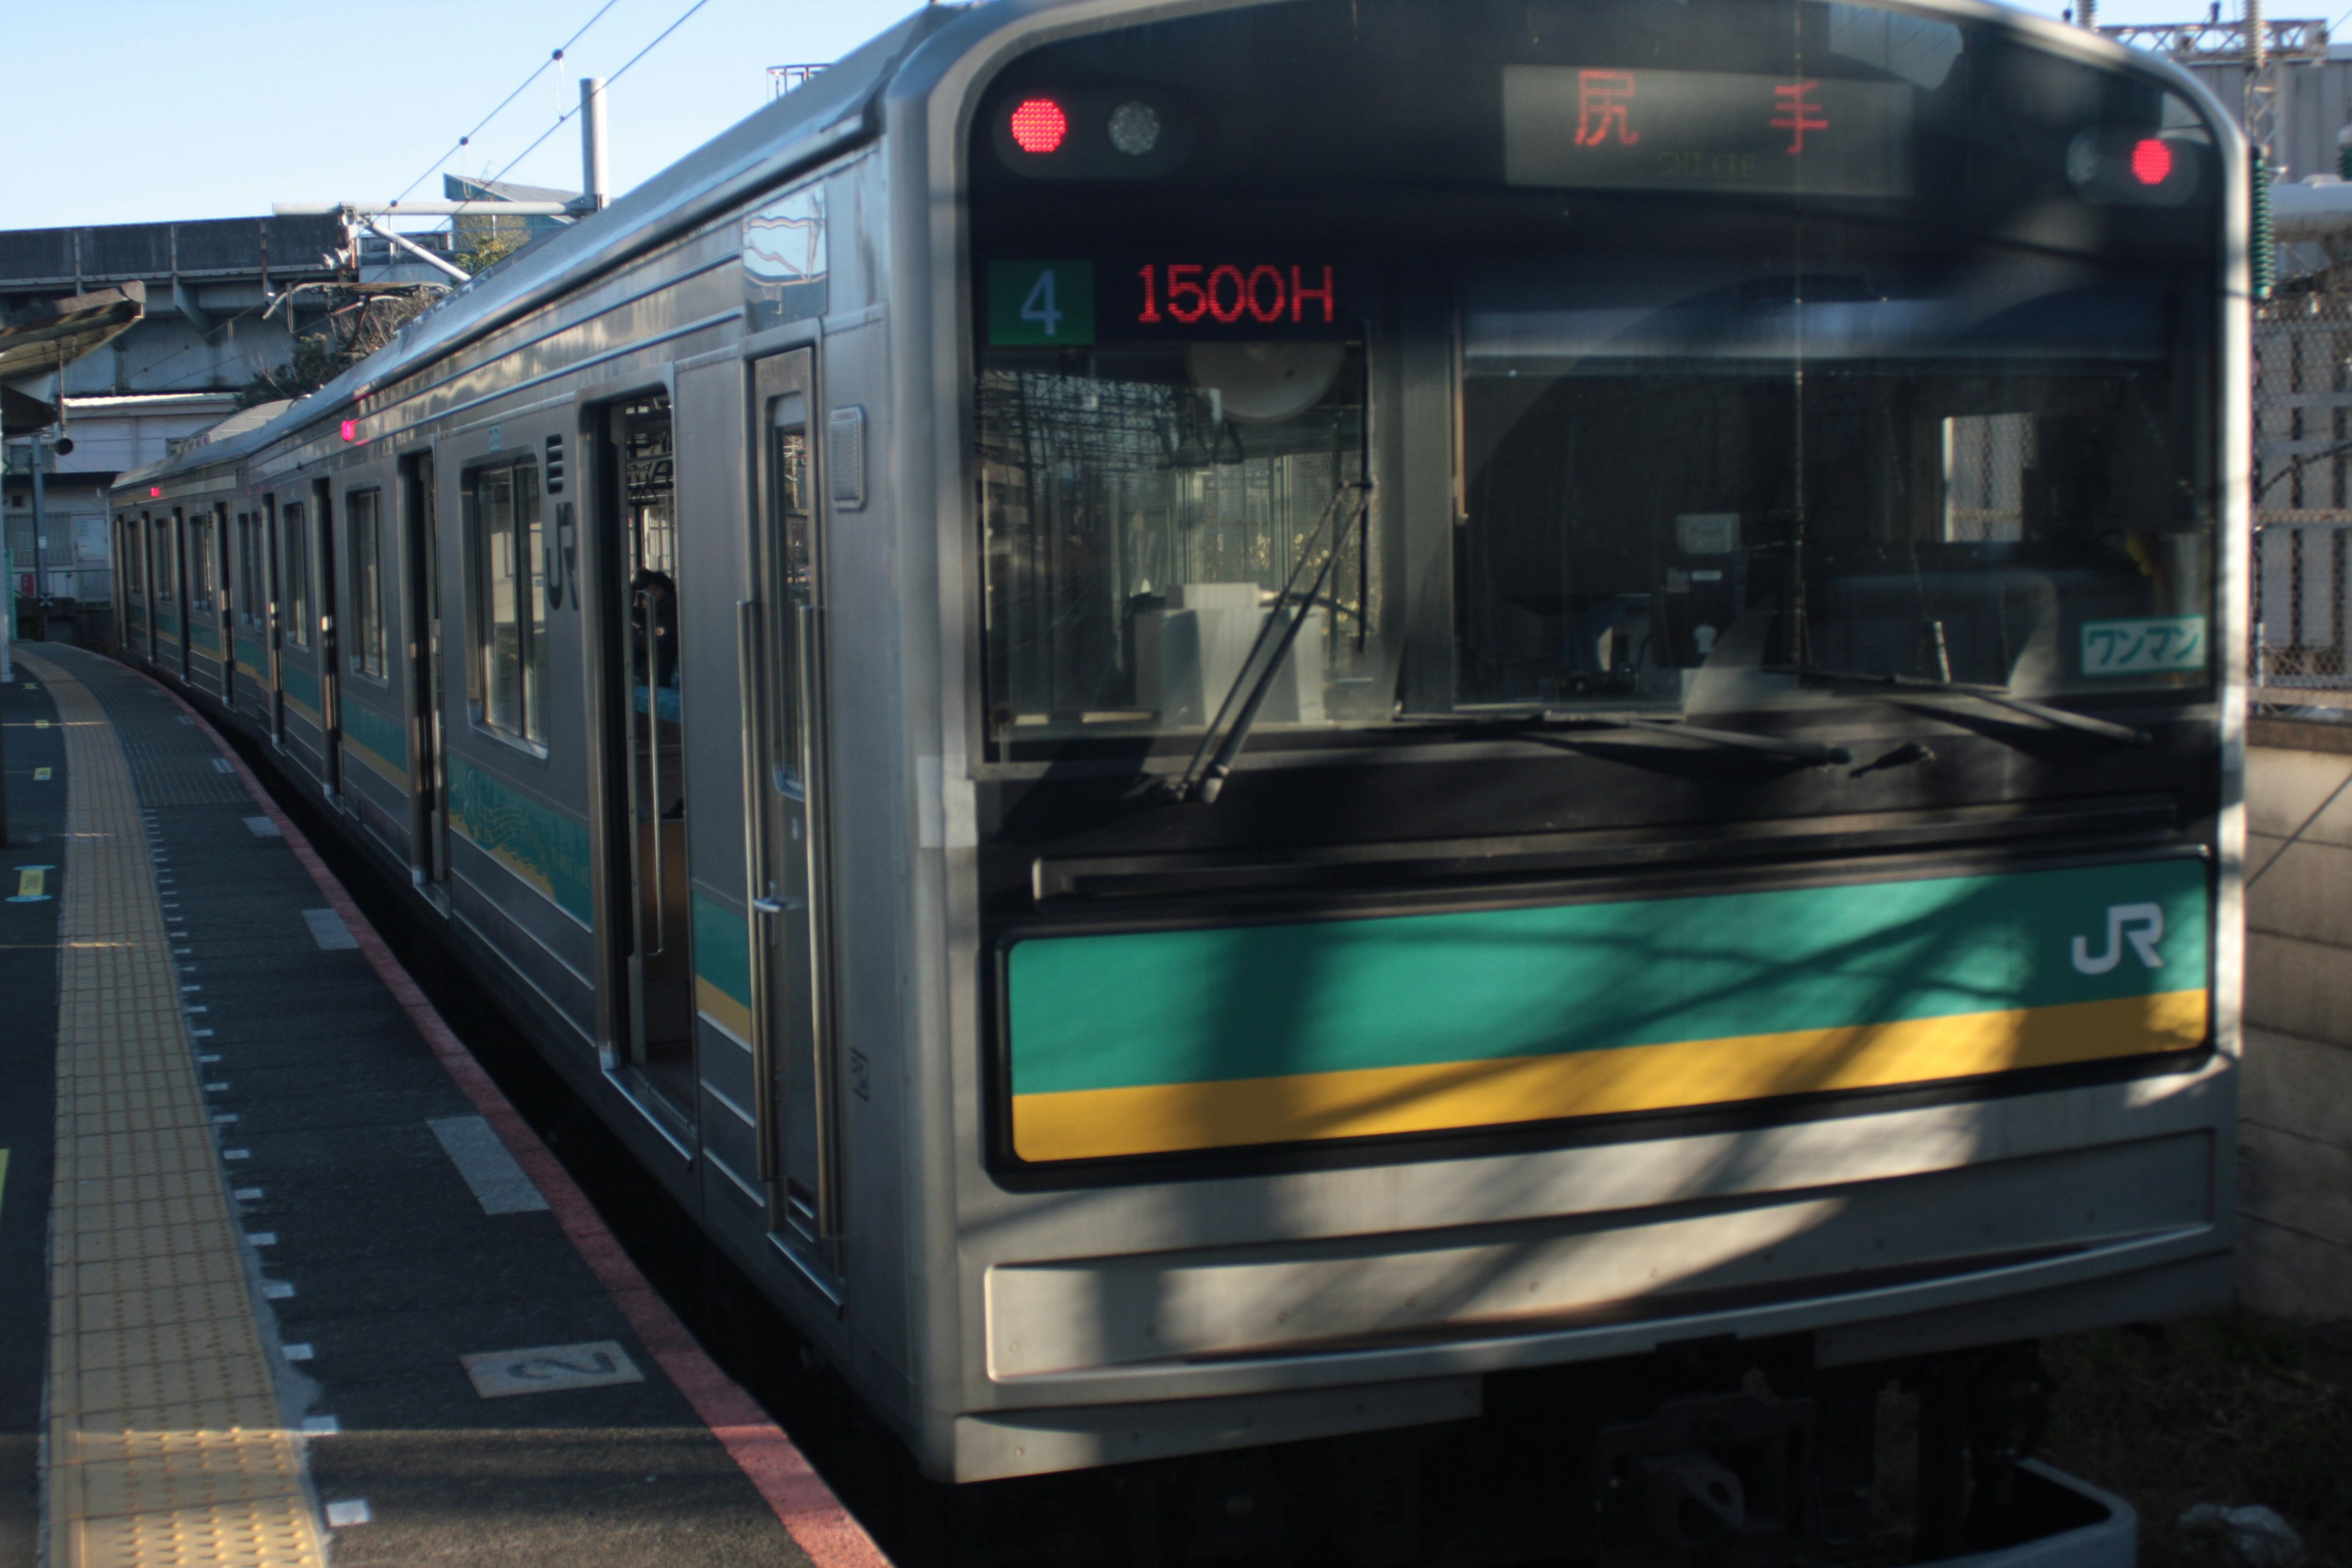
(1590, 660)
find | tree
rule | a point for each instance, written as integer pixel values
(364, 323)
(488, 246)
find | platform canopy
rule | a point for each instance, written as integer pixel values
(37, 341)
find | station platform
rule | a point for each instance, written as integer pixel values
(316, 1292)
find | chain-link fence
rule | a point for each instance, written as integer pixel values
(2303, 502)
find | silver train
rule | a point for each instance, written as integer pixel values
(1231, 723)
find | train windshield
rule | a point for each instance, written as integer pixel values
(1697, 356)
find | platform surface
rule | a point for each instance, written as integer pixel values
(304, 1303)
(32, 758)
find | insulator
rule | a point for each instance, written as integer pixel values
(2261, 248)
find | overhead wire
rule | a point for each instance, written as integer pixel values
(564, 118)
(544, 65)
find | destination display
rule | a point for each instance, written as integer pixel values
(1705, 130)
(1181, 297)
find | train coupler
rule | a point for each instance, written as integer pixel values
(1719, 1480)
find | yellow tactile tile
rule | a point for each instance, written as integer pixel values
(166, 1445)
(134, 1246)
(154, 1270)
(130, 1190)
(165, 1210)
(100, 1436)
(109, 1105)
(201, 1382)
(224, 1535)
(99, 1157)
(147, 1343)
(146, 1471)
(148, 1309)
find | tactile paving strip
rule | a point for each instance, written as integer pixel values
(212, 1535)
(166, 1449)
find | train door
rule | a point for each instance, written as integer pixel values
(152, 567)
(162, 595)
(143, 588)
(142, 528)
(163, 592)
(783, 630)
(644, 733)
(184, 592)
(159, 588)
(429, 830)
(196, 578)
(330, 598)
(130, 552)
(274, 618)
(224, 604)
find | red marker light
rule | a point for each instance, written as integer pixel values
(2151, 162)
(1039, 125)
(351, 429)
(154, 492)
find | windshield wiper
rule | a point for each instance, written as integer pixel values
(1204, 778)
(1817, 754)
(1999, 696)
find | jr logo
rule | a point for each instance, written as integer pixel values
(2142, 925)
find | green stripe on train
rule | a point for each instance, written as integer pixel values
(298, 680)
(1138, 1008)
(722, 950)
(723, 967)
(386, 734)
(533, 840)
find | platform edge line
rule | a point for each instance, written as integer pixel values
(809, 1509)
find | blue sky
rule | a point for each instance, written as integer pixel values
(131, 111)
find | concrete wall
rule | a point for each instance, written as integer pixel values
(2294, 1193)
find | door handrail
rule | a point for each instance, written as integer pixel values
(755, 860)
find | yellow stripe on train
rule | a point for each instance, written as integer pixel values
(366, 754)
(723, 1009)
(1159, 1118)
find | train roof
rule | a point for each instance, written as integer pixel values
(835, 108)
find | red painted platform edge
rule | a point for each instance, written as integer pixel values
(809, 1512)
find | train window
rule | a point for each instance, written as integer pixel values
(1700, 366)
(241, 589)
(200, 561)
(257, 570)
(132, 577)
(506, 589)
(294, 525)
(796, 538)
(167, 581)
(363, 513)
(1144, 505)
(1968, 478)
(783, 258)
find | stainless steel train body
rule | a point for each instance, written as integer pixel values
(772, 622)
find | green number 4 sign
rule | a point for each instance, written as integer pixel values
(1041, 302)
